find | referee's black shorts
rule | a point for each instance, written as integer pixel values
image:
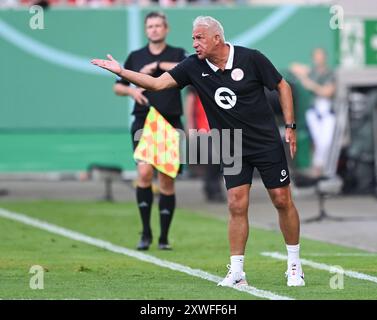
(138, 124)
(272, 167)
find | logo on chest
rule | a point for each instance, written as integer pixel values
(225, 98)
(237, 74)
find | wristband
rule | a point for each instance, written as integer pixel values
(290, 126)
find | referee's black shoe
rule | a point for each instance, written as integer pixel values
(144, 242)
(164, 245)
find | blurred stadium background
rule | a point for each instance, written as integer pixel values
(59, 119)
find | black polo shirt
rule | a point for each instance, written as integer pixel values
(235, 98)
(167, 102)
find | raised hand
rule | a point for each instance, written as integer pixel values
(299, 70)
(111, 64)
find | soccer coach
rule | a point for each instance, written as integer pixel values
(230, 81)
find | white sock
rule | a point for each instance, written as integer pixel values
(293, 254)
(236, 263)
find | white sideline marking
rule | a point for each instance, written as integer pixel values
(322, 266)
(132, 253)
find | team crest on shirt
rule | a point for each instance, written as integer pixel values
(237, 74)
(225, 98)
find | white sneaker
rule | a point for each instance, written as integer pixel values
(233, 279)
(295, 275)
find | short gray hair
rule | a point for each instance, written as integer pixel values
(210, 23)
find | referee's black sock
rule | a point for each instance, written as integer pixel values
(144, 198)
(166, 206)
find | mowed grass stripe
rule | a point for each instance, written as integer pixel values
(132, 253)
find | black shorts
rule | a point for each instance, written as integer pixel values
(272, 167)
(139, 124)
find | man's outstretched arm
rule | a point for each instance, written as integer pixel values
(165, 81)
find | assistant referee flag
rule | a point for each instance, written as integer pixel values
(159, 144)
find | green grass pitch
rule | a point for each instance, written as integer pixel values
(75, 270)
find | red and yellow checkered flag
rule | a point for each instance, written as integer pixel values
(159, 144)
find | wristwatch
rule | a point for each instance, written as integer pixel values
(290, 126)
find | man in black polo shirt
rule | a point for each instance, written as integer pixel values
(230, 81)
(153, 59)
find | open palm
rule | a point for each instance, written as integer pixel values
(111, 64)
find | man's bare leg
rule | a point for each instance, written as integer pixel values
(288, 216)
(238, 232)
(290, 227)
(238, 228)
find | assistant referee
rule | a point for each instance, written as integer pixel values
(153, 59)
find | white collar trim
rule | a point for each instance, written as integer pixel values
(229, 63)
